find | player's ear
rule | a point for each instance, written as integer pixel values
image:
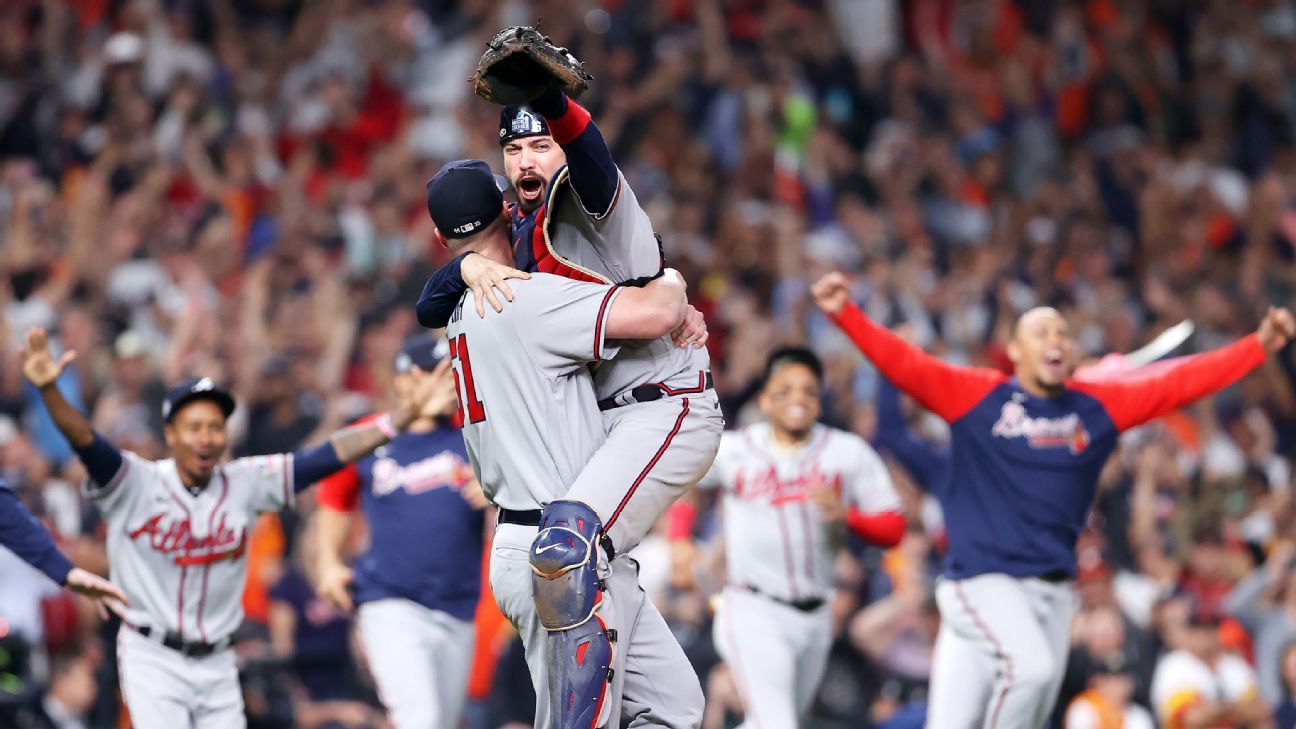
(436, 236)
(169, 435)
(1014, 351)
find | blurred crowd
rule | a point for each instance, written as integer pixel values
(235, 188)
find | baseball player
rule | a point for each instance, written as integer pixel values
(597, 649)
(419, 582)
(1025, 454)
(789, 485)
(577, 217)
(177, 532)
(21, 534)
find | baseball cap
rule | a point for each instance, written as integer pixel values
(195, 388)
(521, 121)
(463, 197)
(424, 351)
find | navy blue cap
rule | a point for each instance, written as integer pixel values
(463, 197)
(195, 388)
(521, 121)
(424, 351)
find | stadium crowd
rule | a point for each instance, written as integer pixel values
(235, 188)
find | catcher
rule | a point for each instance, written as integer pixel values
(578, 218)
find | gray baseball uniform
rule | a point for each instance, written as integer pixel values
(181, 558)
(529, 425)
(655, 450)
(779, 556)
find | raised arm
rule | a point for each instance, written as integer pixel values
(102, 459)
(651, 311)
(1133, 403)
(432, 395)
(589, 161)
(945, 389)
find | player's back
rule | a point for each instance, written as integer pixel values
(523, 381)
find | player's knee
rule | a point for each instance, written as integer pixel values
(564, 563)
(1033, 670)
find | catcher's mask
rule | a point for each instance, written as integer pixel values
(521, 121)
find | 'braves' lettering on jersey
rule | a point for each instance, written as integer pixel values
(1024, 469)
(528, 371)
(425, 540)
(1067, 431)
(775, 540)
(180, 556)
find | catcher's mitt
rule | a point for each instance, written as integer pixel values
(520, 64)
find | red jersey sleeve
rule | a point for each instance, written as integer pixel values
(340, 491)
(1133, 403)
(884, 528)
(945, 389)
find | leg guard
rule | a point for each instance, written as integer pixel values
(568, 593)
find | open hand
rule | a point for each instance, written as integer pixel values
(1277, 329)
(38, 365)
(483, 276)
(108, 597)
(831, 293)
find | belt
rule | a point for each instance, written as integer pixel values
(654, 391)
(530, 517)
(1056, 576)
(805, 605)
(174, 641)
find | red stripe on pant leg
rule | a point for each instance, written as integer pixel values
(999, 653)
(679, 422)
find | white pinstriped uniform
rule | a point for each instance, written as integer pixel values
(779, 552)
(182, 560)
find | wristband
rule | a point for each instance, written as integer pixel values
(386, 427)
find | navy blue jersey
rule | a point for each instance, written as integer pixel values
(425, 539)
(1023, 470)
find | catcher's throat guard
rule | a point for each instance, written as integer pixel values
(568, 594)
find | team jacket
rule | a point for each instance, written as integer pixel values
(1024, 469)
(425, 539)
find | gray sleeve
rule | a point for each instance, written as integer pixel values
(869, 485)
(563, 323)
(625, 232)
